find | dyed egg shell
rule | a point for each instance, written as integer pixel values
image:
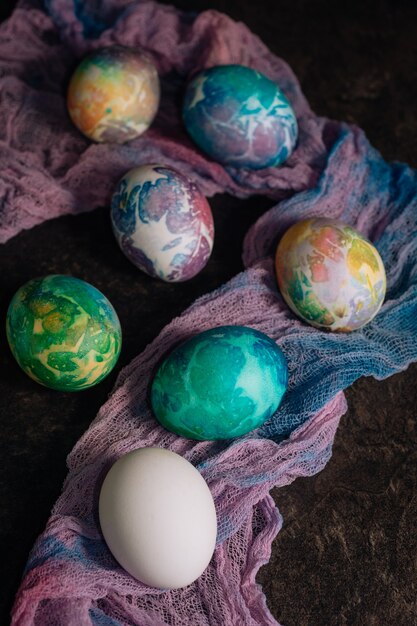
(158, 518)
(113, 95)
(220, 384)
(240, 117)
(63, 332)
(162, 222)
(330, 275)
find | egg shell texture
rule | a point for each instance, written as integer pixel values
(220, 384)
(63, 332)
(162, 222)
(113, 94)
(240, 117)
(330, 275)
(158, 517)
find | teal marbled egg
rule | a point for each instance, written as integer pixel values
(220, 384)
(63, 332)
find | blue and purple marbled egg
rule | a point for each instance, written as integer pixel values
(240, 117)
(162, 222)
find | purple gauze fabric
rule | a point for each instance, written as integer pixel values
(53, 170)
(71, 577)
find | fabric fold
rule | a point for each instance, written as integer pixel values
(53, 170)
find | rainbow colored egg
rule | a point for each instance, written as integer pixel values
(240, 117)
(162, 222)
(63, 332)
(220, 384)
(113, 94)
(330, 275)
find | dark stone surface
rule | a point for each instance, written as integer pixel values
(346, 554)
(347, 551)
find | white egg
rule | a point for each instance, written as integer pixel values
(158, 517)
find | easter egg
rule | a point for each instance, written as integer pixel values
(63, 332)
(162, 222)
(220, 384)
(158, 518)
(113, 95)
(240, 117)
(329, 275)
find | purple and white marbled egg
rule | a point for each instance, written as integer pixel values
(162, 222)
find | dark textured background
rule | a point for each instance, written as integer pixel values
(347, 551)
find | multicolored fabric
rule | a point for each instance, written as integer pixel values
(71, 577)
(62, 171)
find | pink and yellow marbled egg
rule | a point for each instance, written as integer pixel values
(113, 95)
(329, 275)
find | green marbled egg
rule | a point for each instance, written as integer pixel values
(220, 384)
(63, 332)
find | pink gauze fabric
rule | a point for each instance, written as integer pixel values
(53, 170)
(71, 577)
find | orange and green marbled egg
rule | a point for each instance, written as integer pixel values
(330, 275)
(113, 95)
(63, 332)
